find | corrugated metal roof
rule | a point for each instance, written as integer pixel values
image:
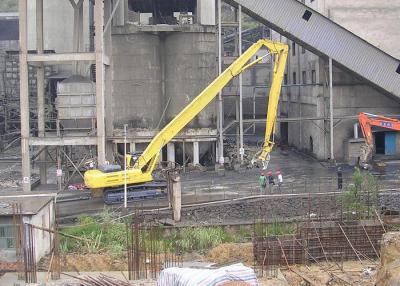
(324, 37)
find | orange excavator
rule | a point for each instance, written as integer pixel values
(366, 121)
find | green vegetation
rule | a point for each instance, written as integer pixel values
(108, 235)
(360, 196)
(274, 228)
(96, 236)
(8, 6)
(200, 239)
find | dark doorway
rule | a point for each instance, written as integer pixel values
(284, 133)
(379, 142)
(311, 145)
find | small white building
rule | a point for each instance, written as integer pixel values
(34, 211)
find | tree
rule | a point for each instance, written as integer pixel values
(360, 195)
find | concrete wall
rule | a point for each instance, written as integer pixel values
(44, 218)
(189, 68)
(373, 20)
(150, 69)
(137, 84)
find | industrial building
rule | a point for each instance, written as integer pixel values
(306, 91)
(156, 57)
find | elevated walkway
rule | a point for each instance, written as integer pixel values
(324, 37)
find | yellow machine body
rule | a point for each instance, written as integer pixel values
(141, 172)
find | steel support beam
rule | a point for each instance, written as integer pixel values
(332, 155)
(24, 95)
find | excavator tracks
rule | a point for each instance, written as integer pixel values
(151, 190)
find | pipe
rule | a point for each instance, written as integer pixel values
(331, 106)
(241, 150)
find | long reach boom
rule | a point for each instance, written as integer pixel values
(141, 172)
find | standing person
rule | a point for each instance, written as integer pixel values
(339, 179)
(280, 179)
(271, 181)
(263, 183)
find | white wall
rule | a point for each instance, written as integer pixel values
(44, 218)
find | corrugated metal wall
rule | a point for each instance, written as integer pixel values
(326, 38)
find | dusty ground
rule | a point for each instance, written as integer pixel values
(231, 252)
(348, 273)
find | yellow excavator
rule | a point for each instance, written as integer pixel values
(110, 182)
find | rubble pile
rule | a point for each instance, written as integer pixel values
(11, 177)
(232, 160)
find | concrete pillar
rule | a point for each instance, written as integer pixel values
(108, 85)
(196, 153)
(78, 31)
(119, 17)
(356, 130)
(100, 107)
(40, 89)
(24, 96)
(220, 157)
(176, 199)
(132, 147)
(171, 152)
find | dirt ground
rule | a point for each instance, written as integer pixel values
(349, 273)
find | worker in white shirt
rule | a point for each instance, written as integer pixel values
(280, 179)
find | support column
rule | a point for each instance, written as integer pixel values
(176, 196)
(100, 108)
(356, 130)
(171, 152)
(196, 153)
(132, 147)
(220, 155)
(24, 96)
(241, 147)
(331, 107)
(40, 89)
(78, 30)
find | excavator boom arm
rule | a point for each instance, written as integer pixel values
(278, 72)
(279, 51)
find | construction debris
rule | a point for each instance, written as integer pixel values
(101, 280)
